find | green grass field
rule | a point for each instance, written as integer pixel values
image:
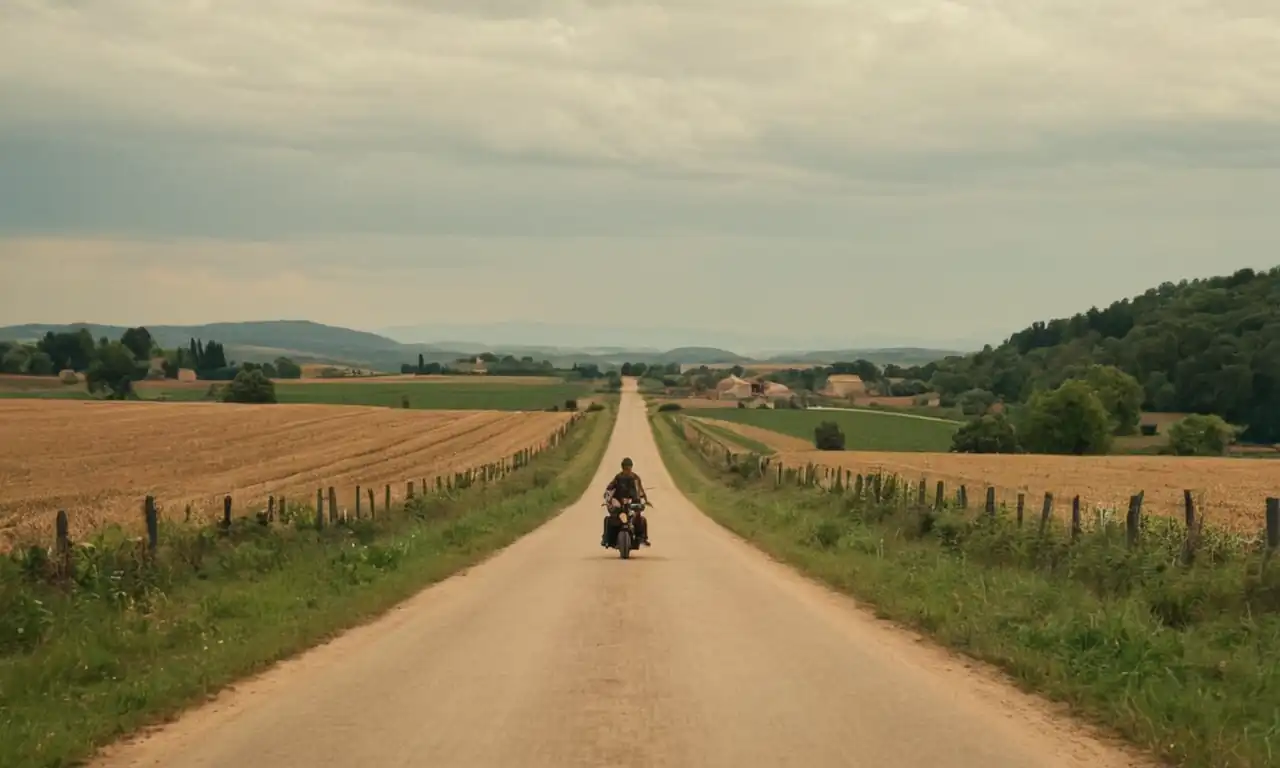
(863, 430)
(480, 395)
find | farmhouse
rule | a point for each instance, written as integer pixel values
(772, 390)
(733, 388)
(845, 386)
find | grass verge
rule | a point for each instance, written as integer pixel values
(131, 641)
(1178, 659)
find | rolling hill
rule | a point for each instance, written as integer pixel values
(309, 342)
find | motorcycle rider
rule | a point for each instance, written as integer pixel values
(626, 486)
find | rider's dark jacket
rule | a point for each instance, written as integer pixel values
(625, 486)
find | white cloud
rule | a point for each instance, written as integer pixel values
(326, 158)
(704, 85)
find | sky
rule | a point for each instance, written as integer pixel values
(815, 173)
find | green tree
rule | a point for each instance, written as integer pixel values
(1121, 395)
(40, 364)
(991, 433)
(1068, 420)
(114, 372)
(74, 350)
(250, 386)
(139, 342)
(287, 369)
(15, 358)
(976, 402)
(1201, 435)
(828, 437)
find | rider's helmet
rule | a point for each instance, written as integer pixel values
(626, 463)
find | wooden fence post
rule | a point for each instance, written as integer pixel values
(62, 538)
(226, 512)
(373, 513)
(923, 493)
(408, 491)
(1046, 512)
(1022, 505)
(152, 517)
(963, 497)
(1133, 521)
(319, 508)
(358, 510)
(941, 498)
(1075, 518)
(333, 505)
(1189, 544)
(271, 508)
(386, 507)
(991, 501)
(283, 511)
(1273, 523)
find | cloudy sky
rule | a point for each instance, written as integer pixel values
(810, 170)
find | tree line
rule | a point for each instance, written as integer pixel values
(506, 365)
(1210, 347)
(112, 367)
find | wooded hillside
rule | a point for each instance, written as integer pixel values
(1199, 346)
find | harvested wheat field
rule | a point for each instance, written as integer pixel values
(1228, 492)
(99, 460)
(775, 440)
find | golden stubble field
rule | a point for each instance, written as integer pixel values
(1228, 492)
(99, 460)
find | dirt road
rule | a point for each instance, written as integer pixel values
(697, 652)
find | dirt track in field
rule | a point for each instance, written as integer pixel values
(699, 651)
(98, 460)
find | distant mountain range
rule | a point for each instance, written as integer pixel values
(308, 342)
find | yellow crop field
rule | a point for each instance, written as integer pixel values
(99, 460)
(1228, 492)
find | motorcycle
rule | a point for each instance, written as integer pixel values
(622, 526)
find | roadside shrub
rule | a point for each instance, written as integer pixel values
(742, 404)
(669, 407)
(404, 401)
(828, 437)
(571, 405)
(595, 407)
(1150, 430)
(763, 407)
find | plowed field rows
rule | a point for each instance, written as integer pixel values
(1229, 492)
(98, 460)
